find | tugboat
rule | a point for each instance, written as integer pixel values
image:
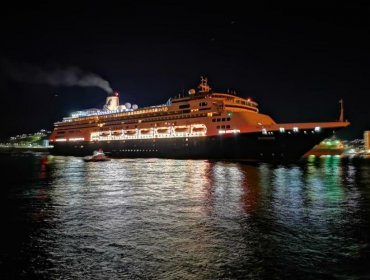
(97, 156)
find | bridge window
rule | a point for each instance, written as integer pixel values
(184, 106)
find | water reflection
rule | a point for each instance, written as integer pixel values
(171, 219)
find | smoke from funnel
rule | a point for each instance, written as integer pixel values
(69, 76)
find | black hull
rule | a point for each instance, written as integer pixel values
(243, 146)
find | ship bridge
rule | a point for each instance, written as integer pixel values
(231, 101)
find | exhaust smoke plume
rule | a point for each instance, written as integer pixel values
(69, 76)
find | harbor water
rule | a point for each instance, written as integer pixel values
(63, 218)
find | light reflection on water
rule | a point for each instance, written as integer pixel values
(186, 219)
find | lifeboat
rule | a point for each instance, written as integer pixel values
(104, 134)
(144, 131)
(181, 129)
(130, 132)
(162, 130)
(117, 133)
(198, 129)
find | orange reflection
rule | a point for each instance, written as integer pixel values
(208, 188)
(44, 162)
(251, 189)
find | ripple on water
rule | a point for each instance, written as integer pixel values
(187, 219)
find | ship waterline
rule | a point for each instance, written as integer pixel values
(204, 125)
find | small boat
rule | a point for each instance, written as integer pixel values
(97, 156)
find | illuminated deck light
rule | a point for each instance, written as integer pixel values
(282, 129)
(317, 129)
(77, 139)
(295, 129)
(229, 131)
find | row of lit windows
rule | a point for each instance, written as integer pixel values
(175, 117)
(223, 97)
(158, 119)
(294, 129)
(137, 112)
(238, 101)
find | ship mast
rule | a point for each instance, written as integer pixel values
(204, 87)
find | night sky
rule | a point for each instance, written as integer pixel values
(296, 62)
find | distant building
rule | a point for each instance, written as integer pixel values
(367, 140)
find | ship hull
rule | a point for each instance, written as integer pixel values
(240, 146)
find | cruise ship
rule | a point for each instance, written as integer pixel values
(203, 124)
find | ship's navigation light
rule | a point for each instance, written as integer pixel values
(116, 93)
(295, 129)
(317, 129)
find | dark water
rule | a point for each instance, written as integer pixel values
(62, 218)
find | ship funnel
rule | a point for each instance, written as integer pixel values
(112, 102)
(341, 116)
